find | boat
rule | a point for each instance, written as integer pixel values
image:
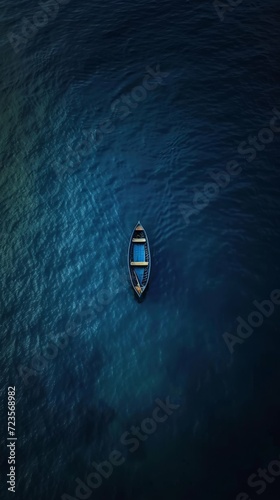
(139, 259)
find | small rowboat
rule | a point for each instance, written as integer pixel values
(139, 259)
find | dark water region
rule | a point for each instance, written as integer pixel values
(114, 112)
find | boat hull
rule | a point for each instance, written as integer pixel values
(139, 259)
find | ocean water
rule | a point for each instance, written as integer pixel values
(114, 112)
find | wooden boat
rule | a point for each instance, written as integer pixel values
(139, 259)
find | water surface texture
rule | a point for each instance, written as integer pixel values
(112, 112)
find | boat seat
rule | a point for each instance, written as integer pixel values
(138, 240)
(141, 264)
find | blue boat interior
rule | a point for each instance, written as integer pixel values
(139, 256)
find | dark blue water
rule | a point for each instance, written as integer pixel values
(115, 112)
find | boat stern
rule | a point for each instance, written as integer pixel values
(138, 290)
